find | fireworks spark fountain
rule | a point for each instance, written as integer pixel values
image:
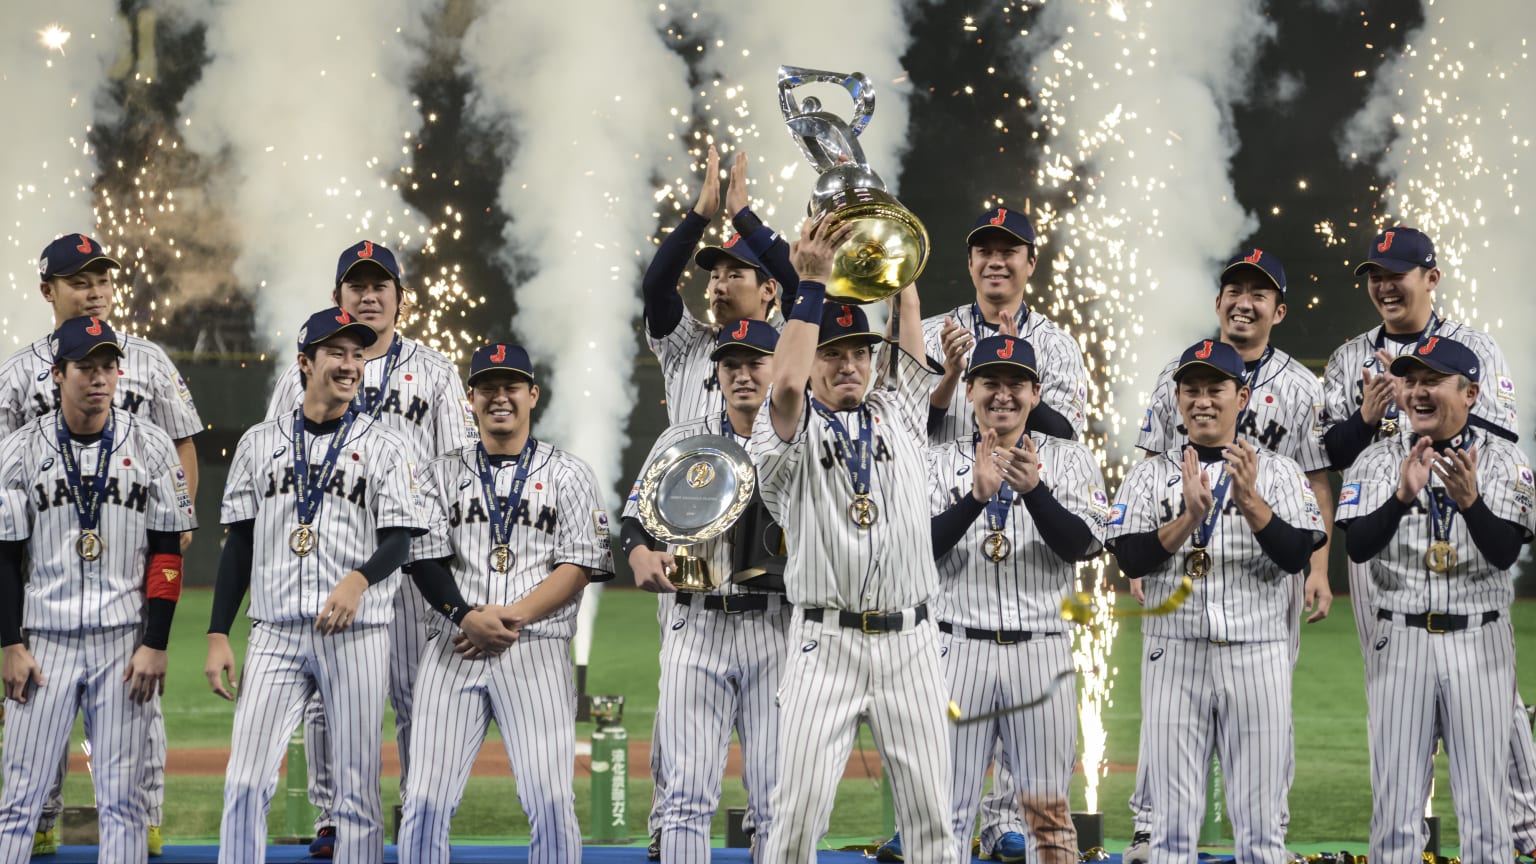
(1449, 126)
(46, 177)
(1136, 136)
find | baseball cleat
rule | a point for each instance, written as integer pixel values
(156, 842)
(1140, 849)
(890, 850)
(653, 849)
(45, 842)
(1011, 847)
(324, 844)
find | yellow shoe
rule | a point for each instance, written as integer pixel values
(156, 842)
(46, 842)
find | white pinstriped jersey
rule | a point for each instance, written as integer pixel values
(688, 375)
(559, 521)
(805, 485)
(146, 491)
(1023, 591)
(149, 386)
(1403, 583)
(370, 489)
(1063, 374)
(1284, 413)
(717, 553)
(1247, 596)
(1342, 390)
(424, 401)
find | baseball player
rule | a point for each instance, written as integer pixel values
(320, 506)
(743, 284)
(720, 660)
(77, 279)
(415, 392)
(517, 526)
(1000, 254)
(1360, 407)
(1240, 522)
(1284, 404)
(1012, 514)
(92, 505)
(1438, 517)
(840, 466)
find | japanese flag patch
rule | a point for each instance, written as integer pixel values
(1117, 515)
(1350, 494)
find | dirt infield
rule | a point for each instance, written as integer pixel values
(492, 762)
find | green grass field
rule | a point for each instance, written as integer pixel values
(1330, 800)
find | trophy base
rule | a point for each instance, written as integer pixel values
(690, 573)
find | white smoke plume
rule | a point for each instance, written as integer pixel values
(584, 110)
(1449, 125)
(52, 96)
(307, 111)
(1137, 102)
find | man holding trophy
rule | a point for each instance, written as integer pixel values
(725, 638)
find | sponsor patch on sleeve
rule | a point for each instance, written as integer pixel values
(1350, 494)
(1117, 515)
(634, 491)
(1506, 388)
(1146, 421)
(183, 497)
(1099, 499)
(185, 394)
(600, 523)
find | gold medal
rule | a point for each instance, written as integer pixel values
(1197, 564)
(501, 558)
(88, 547)
(997, 546)
(1441, 557)
(302, 540)
(1389, 426)
(863, 512)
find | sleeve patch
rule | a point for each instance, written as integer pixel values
(1350, 494)
(634, 492)
(185, 393)
(1506, 388)
(600, 523)
(1146, 421)
(1525, 480)
(1099, 499)
(1117, 515)
(183, 497)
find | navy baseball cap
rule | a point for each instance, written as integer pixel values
(70, 254)
(996, 352)
(1398, 250)
(733, 249)
(328, 323)
(366, 252)
(1446, 356)
(1210, 354)
(500, 357)
(747, 333)
(1002, 220)
(1255, 259)
(78, 338)
(841, 321)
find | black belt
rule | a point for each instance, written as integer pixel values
(870, 622)
(1001, 637)
(730, 604)
(1438, 622)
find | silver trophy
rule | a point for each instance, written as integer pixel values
(692, 492)
(889, 246)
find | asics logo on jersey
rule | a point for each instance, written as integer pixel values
(337, 485)
(808, 647)
(1156, 655)
(678, 625)
(47, 463)
(474, 512)
(279, 451)
(465, 484)
(137, 499)
(1386, 242)
(1381, 643)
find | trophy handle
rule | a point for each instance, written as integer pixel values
(826, 139)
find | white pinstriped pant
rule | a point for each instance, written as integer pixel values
(718, 670)
(1235, 698)
(152, 781)
(832, 677)
(284, 665)
(1039, 746)
(530, 691)
(1420, 684)
(407, 639)
(82, 672)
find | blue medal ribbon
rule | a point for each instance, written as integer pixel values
(1251, 381)
(1202, 537)
(502, 512)
(310, 492)
(1442, 507)
(87, 496)
(857, 455)
(370, 407)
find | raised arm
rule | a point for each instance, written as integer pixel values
(796, 352)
